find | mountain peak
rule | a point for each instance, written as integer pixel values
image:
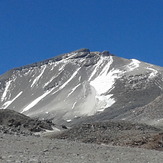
(80, 84)
(87, 53)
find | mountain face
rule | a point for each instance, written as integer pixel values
(85, 85)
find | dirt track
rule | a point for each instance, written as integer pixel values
(30, 149)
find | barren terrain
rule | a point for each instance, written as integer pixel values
(30, 149)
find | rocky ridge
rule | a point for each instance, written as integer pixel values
(12, 122)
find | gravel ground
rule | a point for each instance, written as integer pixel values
(118, 133)
(31, 149)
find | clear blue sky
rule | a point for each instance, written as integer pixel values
(34, 30)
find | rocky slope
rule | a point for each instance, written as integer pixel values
(117, 133)
(12, 122)
(74, 86)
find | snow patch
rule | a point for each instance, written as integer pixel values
(52, 79)
(62, 67)
(104, 101)
(133, 65)
(53, 65)
(48, 132)
(69, 120)
(39, 76)
(97, 66)
(26, 73)
(37, 100)
(49, 81)
(6, 104)
(73, 75)
(73, 90)
(62, 86)
(73, 106)
(153, 73)
(6, 90)
(105, 81)
(103, 84)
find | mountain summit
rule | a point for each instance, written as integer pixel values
(81, 85)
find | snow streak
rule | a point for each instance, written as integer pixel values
(38, 77)
(6, 104)
(37, 100)
(6, 90)
(73, 89)
(97, 66)
(73, 75)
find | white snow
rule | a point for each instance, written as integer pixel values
(6, 90)
(53, 65)
(49, 81)
(153, 73)
(101, 110)
(105, 101)
(79, 78)
(47, 132)
(73, 89)
(27, 73)
(105, 81)
(73, 106)
(62, 86)
(37, 100)
(133, 65)
(6, 104)
(69, 120)
(62, 67)
(52, 79)
(39, 76)
(97, 66)
(73, 75)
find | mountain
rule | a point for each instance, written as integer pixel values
(82, 86)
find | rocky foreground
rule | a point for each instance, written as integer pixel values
(12, 122)
(96, 142)
(30, 149)
(118, 133)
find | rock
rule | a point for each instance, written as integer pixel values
(106, 53)
(83, 50)
(12, 122)
(45, 150)
(81, 53)
(64, 127)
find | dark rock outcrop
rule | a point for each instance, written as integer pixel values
(17, 122)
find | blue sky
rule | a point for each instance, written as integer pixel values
(34, 30)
